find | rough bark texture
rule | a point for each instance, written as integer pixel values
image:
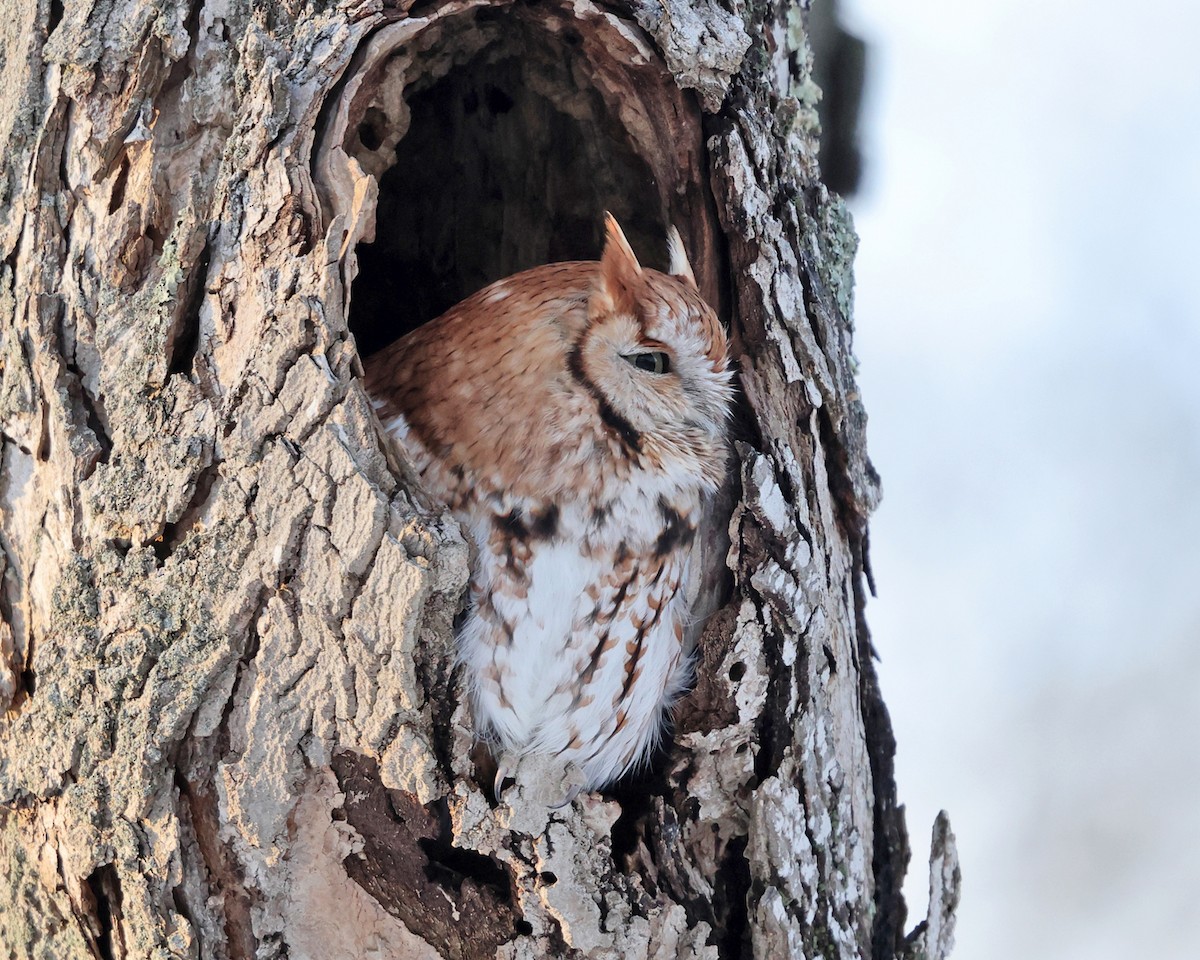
(232, 726)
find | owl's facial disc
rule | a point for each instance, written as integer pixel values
(657, 373)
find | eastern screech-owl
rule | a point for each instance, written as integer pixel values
(572, 417)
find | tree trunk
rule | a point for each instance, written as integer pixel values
(233, 727)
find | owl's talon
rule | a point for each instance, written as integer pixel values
(574, 780)
(571, 794)
(506, 769)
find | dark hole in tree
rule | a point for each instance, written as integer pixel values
(450, 865)
(495, 176)
(104, 890)
(370, 131)
(635, 792)
(56, 15)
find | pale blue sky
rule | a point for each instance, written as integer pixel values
(1028, 314)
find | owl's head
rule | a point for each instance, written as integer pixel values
(653, 350)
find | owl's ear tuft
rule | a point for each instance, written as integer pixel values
(619, 272)
(679, 261)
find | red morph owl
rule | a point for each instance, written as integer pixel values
(572, 417)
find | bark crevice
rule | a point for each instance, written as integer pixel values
(104, 888)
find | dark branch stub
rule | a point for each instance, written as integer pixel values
(460, 899)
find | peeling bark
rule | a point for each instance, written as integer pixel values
(232, 727)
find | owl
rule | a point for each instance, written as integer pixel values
(572, 417)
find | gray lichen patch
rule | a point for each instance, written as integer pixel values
(703, 43)
(38, 914)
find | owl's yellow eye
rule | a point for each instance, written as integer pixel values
(653, 362)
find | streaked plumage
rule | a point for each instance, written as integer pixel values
(535, 410)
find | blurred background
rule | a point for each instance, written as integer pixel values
(1028, 326)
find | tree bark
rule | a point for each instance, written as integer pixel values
(232, 727)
